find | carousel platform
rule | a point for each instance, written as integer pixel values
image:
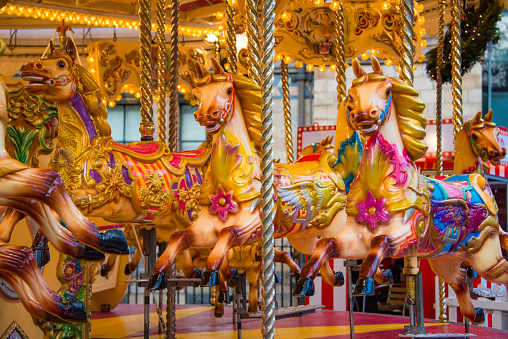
(197, 321)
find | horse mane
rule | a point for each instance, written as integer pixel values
(249, 95)
(90, 92)
(409, 108)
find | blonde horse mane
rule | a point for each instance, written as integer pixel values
(409, 108)
(89, 90)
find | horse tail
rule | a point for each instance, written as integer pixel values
(503, 238)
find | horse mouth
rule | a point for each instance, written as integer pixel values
(212, 128)
(325, 47)
(367, 127)
(495, 161)
(38, 81)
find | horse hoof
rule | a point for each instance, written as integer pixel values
(127, 270)
(304, 288)
(157, 281)
(218, 314)
(389, 277)
(224, 297)
(339, 279)
(104, 272)
(42, 256)
(364, 286)
(235, 278)
(75, 312)
(480, 316)
(471, 273)
(91, 254)
(277, 278)
(113, 241)
(198, 275)
(210, 278)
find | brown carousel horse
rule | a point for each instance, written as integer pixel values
(33, 192)
(318, 147)
(141, 182)
(394, 211)
(309, 193)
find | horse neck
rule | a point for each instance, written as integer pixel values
(465, 160)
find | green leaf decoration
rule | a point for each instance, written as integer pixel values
(22, 140)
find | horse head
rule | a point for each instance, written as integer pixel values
(54, 76)
(369, 100)
(482, 136)
(216, 97)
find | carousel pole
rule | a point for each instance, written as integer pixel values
(287, 111)
(231, 37)
(340, 64)
(161, 70)
(411, 271)
(456, 68)
(253, 47)
(439, 131)
(146, 127)
(173, 144)
(267, 215)
(173, 71)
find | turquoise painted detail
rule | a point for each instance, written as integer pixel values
(355, 142)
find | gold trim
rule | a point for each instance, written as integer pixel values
(14, 327)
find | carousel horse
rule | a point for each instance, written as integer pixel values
(394, 211)
(309, 193)
(142, 182)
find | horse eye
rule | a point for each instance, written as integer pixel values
(61, 64)
(229, 91)
(475, 137)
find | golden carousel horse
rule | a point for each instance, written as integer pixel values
(394, 211)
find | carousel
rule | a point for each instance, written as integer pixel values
(149, 187)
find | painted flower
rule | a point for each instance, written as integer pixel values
(223, 203)
(113, 183)
(69, 271)
(372, 211)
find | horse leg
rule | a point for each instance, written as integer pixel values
(50, 190)
(194, 236)
(325, 249)
(253, 276)
(10, 219)
(285, 258)
(380, 247)
(184, 262)
(229, 237)
(131, 265)
(28, 299)
(19, 260)
(449, 270)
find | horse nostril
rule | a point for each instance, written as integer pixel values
(215, 114)
(373, 113)
(196, 116)
(38, 65)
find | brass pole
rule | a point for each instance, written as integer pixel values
(439, 131)
(406, 46)
(253, 46)
(340, 51)
(231, 37)
(456, 68)
(161, 70)
(268, 266)
(287, 111)
(174, 108)
(146, 127)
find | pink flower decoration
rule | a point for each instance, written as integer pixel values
(372, 211)
(223, 203)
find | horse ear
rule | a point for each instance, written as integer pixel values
(358, 69)
(375, 65)
(201, 71)
(488, 116)
(217, 68)
(51, 46)
(477, 118)
(70, 49)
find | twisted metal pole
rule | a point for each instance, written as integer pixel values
(161, 70)
(406, 46)
(231, 37)
(439, 131)
(174, 108)
(339, 51)
(253, 46)
(268, 266)
(456, 68)
(287, 111)
(146, 127)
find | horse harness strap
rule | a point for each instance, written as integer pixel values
(62, 81)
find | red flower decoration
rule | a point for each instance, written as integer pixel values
(372, 211)
(223, 203)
